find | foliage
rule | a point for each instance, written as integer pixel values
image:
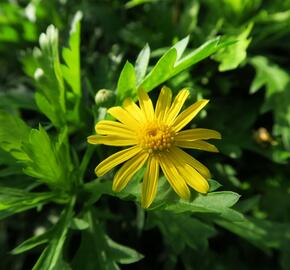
(56, 55)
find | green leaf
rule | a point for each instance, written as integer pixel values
(126, 82)
(122, 254)
(171, 63)
(161, 71)
(248, 204)
(215, 202)
(48, 76)
(269, 75)
(142, 63)
(32, 242)
(180, 230)
(98, 251)
(45, 160)
(202, 52)
(232, 56)
(14, 200)
(180, 47)
(261, 233)
(58, 85)
(15, 99)
(13, 132)
(71, 56)
(79, 224)
(45, 106)
(276, 80)
(134, 3)
(51, 257)
(71, 70)
(213, 185)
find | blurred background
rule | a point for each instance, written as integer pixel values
(248, 87)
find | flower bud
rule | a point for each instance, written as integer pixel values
(105, 98)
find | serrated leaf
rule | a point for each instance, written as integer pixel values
(58, 85)
(13, 132)
(45, 161)
(45, 107)
(48, 77)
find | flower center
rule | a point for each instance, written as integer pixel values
(156, 137)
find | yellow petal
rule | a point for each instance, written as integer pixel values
(187, 115)
(174, 178)
(150, 182)
(163, 103)
(106, 127)
(197, 134)
(190, 175)
(186, 158)
(124, 117)
(112, 140)
(130, 106)
(200, 145)
(116, 159)
(146, 104)
(127, 171)
(176, 106)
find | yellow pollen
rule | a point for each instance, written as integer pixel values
(156, 137)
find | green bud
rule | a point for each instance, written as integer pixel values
(105, 98)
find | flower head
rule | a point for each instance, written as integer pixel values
(155, 137)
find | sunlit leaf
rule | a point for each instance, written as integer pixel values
(45, 160)
(126, 82)
(232, 56)
(142, 63)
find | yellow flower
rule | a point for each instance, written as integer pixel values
(155, 137)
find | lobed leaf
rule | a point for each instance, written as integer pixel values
(13, 132)
(46, 160)
(232, 56)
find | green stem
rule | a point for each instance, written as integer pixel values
(85, 161)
